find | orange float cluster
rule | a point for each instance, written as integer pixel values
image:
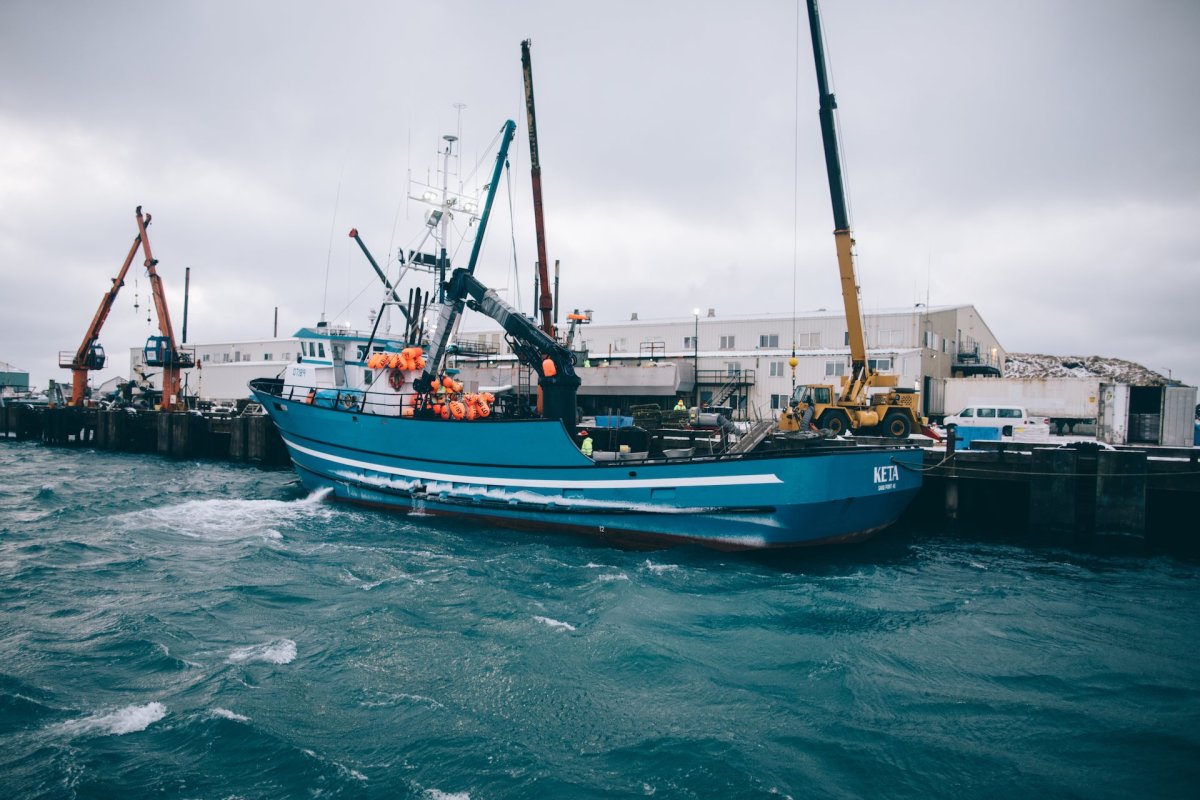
(449, 402)
(446, 400)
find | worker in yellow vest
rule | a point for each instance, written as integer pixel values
(586, 446)
(679, 406)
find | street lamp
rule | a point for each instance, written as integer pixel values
(696, 359)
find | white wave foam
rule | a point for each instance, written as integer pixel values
(129, 719)
(225, 713)
(620, 576)
(279, 651)
(554, 623)
(390, 699)
(227, 520)
(659, 569)
(438, 794)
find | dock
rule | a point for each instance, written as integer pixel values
(185, 434)
(1136, 499)
(1081, 494)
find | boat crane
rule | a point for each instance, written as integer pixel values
(159, 351)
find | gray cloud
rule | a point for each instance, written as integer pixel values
(1035, 159)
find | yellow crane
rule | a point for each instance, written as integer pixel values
(865, 400)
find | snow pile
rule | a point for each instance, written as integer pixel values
(1110, 370)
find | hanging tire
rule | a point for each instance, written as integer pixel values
(835, 421)
(897, 426)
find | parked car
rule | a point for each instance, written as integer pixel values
(1011, 420)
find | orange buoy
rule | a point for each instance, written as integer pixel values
(470, 412)
(484, 410)
(457, 409)
(444, 412)
(407, 411)
(548, 368)
(488, 397)
(448, 382)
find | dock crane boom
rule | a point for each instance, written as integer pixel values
(90, 354)
(160, 351)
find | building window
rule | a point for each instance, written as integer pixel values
(779, 401)
(733, 368)
(809, 340)
(266, 356)
(205, 357)
(776, 369)
(689, 342)
(768, 340)
(727, 343)
(879, 364)
(224, 358)
(846, 338)
(286, 357)
(833, 368)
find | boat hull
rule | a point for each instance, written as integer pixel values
(527, 474)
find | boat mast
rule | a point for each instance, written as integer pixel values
(452, 307)
(545, 301)
(443, 260)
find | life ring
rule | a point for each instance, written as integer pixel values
(396, 380)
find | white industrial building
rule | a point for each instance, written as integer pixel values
(742, 360)
(224, 368)
(739, 361)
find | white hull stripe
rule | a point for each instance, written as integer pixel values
(534, 483)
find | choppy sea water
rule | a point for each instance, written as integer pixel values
(200, 630)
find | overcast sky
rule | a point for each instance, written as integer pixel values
(1038, 159)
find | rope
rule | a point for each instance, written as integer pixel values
(512, 229)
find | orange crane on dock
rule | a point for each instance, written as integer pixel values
(160, 351)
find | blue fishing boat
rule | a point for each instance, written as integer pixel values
(530, 473)
(380, 421)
